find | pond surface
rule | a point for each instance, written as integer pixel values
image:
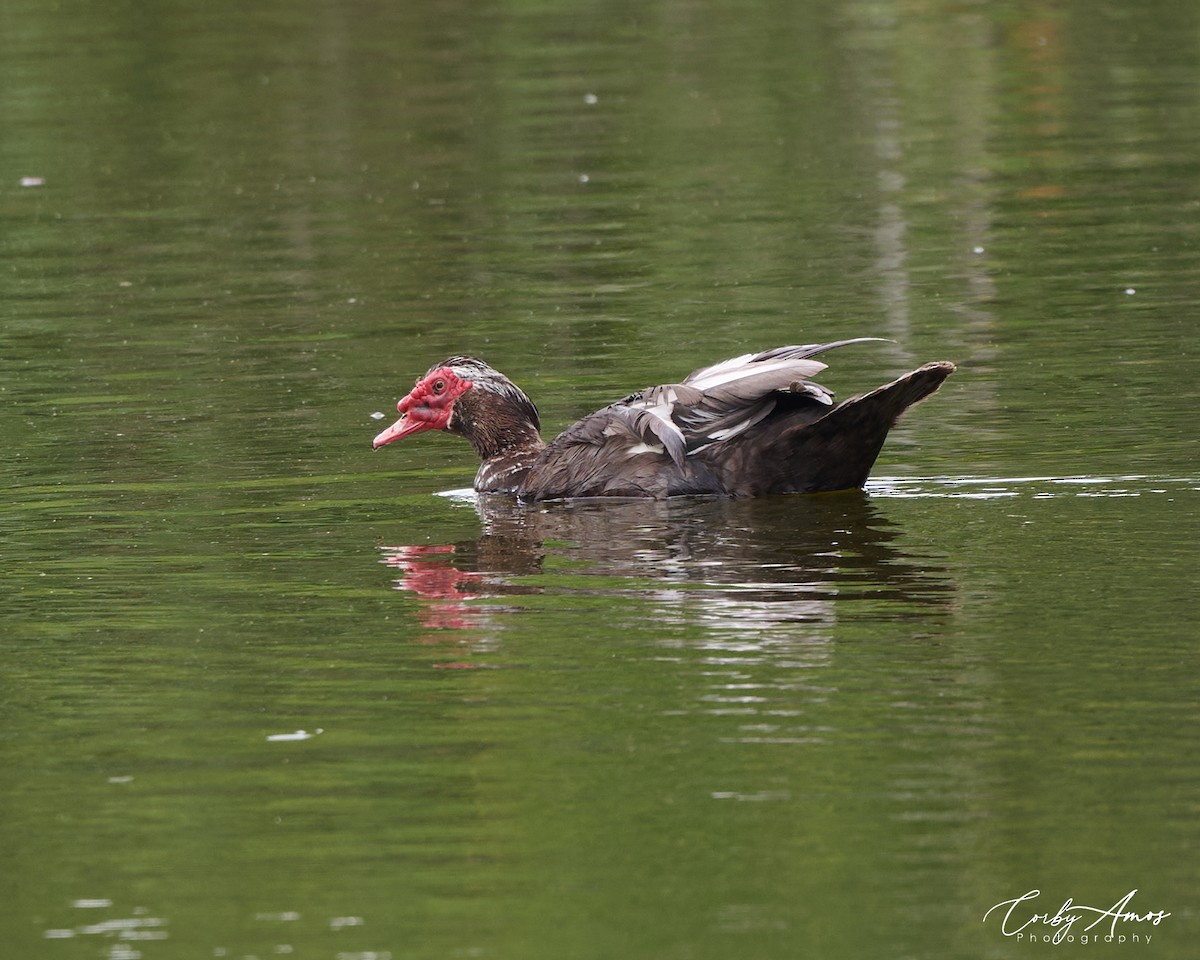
(267, 693)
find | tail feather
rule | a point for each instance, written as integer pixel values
(837, 451)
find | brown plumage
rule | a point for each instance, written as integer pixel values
(749, 426)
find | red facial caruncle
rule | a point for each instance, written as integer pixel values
(427, 407)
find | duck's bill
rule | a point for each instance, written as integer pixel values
(402, 428)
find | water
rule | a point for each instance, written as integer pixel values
(267, 693)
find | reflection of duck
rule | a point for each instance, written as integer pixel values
(746, 427)
(426, 571)
(735, 565)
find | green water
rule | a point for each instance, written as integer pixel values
(268, 693)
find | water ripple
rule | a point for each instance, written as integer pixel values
(990, 488)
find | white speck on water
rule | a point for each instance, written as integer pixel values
(1130, 291)
(977, 249)
(762, 795)
(98, 903)
(377, 415)
(591, 99)
(129, 928)
(32, 181)
(584, 178)
(337, 923)
(297, 735)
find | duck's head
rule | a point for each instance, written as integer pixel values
(466, 396)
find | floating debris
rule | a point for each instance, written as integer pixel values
(296, 735)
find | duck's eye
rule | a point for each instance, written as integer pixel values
(439, 385)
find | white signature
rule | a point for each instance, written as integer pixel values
(1017, 919)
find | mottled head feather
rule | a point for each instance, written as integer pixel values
(485, 377)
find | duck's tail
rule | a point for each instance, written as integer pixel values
(837, 451)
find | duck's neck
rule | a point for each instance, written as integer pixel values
(504, 470)
(503, 435)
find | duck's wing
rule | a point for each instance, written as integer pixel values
(732, 396)
(643, 445)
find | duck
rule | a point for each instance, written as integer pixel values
(750, 426)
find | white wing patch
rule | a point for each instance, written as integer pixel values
(732, 431)
(727, 373)
(639, 448)
(717, 403)
(717, 369)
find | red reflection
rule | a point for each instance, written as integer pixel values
(428, 572)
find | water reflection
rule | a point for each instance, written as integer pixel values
(736, 573)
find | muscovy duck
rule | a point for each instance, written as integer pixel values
(745, 427)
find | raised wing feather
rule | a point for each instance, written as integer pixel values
(718, 371)
(712, 405)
